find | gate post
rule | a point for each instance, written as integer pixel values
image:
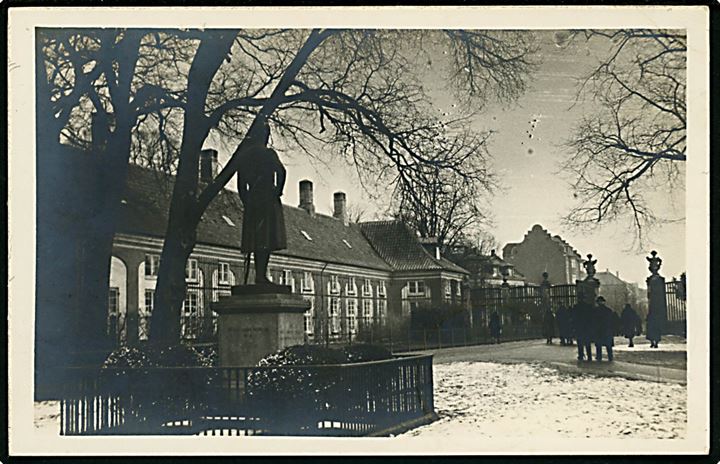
(657, 303)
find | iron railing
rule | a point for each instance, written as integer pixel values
(370, 398)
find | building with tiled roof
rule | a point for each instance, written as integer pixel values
(353, 274)
(486, 270)
(539, 252)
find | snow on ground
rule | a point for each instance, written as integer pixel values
(622, 346)
(492, 400)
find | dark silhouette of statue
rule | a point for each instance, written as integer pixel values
(589, 266)
(654, 263)
(260, 180)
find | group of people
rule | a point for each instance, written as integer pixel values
(592, 324)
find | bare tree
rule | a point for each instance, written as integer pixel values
(352, 92)
(447, 204)
(634, 142)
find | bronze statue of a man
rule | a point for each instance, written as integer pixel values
(260, 181)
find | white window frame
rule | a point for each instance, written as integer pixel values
(351, 286)
(309, 316)
(334, 316)
(416, 291)
(152, 264)
(334, 285)
(191, 266)
(381, 311)
(307, 284)
(224, 273)
(351, 313)
(286, 278)
(149, 294)
(367, 312)
(367, 288)
(448, 288)
(381, 289)
(187, 307)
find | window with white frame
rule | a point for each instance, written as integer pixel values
(334, 285)
(191, 303)
(149, 301)
(351, 311)
(381, 311)
(416, 288)
(309, 316)
(367, 288)
(307, 284)
(367, 313)
(189, 323)
(224, 273)
(113, 300)
(145, 314)
(351, 287)
(448, 288)
(381, 290)
(334, 314)
(191, 270)
(286, 278)
(152, 264)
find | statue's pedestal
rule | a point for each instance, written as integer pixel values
(257, 320)
(587, 290)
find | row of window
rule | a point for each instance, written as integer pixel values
(307, 284)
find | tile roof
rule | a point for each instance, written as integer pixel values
(399, 246)
(146, 205)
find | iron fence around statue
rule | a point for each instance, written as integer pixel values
(370, 398)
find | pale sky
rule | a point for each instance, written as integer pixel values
(533, 193)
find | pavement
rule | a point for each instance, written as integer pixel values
(666, 364)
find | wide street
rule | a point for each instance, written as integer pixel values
(530, 389)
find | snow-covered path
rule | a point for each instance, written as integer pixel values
(491, 400)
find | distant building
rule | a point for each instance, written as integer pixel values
(541, 252)
(618, 292)
(485, 270)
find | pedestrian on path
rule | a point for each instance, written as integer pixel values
(495, 326)
(604, 329)
(582, 326)
(630, 322)
(563, 323)
(548, 326)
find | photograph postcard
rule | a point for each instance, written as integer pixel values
(358, 230)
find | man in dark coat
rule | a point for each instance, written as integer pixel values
(495, 327)
(564, 326)
(630, 322)
(582, 326)
(548, 326)
(604, 329)
(261, 179)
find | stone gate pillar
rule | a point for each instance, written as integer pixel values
(657, 303)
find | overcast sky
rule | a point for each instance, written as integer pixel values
(533, 193)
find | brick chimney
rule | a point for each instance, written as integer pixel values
(306, 197)
(208, 165)
(340, 205)
(431, 245)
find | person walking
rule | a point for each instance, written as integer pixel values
(653, 330)
(629, 322)
(581, 322)
(548, 326)
(495, 326)
(605, 329)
